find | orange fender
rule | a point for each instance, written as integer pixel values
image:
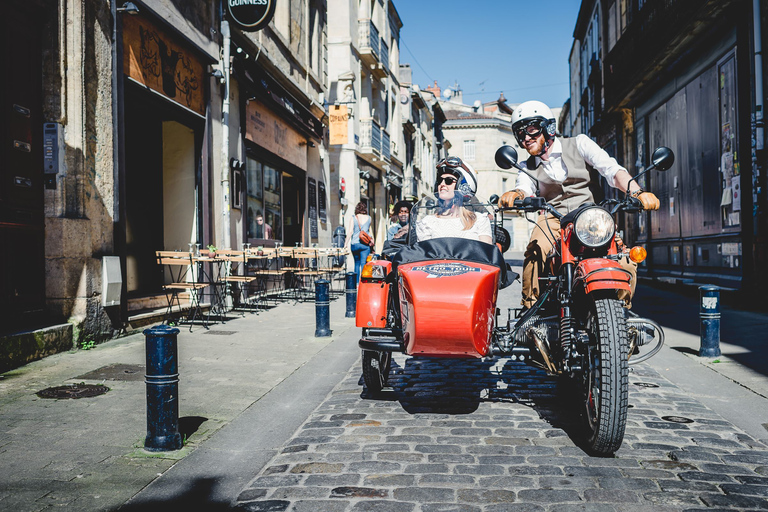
(371, 307)
(602, 274)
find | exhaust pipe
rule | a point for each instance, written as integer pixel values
(541, 346)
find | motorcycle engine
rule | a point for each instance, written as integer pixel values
(548, 327)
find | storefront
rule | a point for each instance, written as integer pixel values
(278, 136)
(164, 176)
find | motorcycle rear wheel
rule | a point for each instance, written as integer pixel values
(376, 366)
(606, 380)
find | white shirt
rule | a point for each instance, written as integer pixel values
(434, 226)
(555, 168)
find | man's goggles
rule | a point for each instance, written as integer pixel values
(532, 130)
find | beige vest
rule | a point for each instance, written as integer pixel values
(576, 189)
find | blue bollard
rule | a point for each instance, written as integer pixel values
(162, 380)
(351, 294)
(322, 308)
(710, 321)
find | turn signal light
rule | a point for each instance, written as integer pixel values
(373, 272)
(638, 254)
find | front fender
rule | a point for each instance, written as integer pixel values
(602, 274)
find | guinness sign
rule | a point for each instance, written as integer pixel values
(251, 15)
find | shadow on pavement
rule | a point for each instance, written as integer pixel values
(678, 308)
(459, 386)
(198, 495)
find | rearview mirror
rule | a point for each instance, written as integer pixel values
(662, 158)
(506, 157)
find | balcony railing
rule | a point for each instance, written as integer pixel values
(368, 41)
(384, 54)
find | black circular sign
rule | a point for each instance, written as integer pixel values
(251, 15)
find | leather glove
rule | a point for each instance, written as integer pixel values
(508, 198)
(648, 200)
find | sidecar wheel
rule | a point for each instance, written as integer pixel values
(606, 380)
(376, 366)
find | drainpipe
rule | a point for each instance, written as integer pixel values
(759, 124)
(225, 242)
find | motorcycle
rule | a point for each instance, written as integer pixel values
(437, 298)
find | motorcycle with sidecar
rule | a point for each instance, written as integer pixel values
(437, 298)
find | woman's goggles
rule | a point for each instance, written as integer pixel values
(453, 162)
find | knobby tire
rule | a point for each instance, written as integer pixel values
(607, 379)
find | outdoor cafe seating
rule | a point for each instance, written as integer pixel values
(242, 280)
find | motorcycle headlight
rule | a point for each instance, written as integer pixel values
(594, 227)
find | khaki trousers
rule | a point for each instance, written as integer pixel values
(545, 235)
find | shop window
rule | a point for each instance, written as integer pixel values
(264, 201)
(730, 202)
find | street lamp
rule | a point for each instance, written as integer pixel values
(129, 8)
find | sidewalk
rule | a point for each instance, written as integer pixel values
(86, 454)
(247, 385)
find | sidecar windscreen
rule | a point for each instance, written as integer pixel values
(453, 249)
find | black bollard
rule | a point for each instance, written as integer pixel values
(351, 294)
(710, 321)
(322, 308)
(162, 380)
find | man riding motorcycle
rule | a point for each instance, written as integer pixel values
(564, 169)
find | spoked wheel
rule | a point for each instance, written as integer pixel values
(376, 366)
(606, 380)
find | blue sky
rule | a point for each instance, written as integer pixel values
(516, 46)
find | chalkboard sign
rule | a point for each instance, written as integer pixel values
(321, 201)
(312, 187)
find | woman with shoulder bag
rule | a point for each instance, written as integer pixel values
(361, 242)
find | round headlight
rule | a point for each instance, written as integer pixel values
(594, 227)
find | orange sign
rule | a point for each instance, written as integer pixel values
(154, 59)
(272, 133)
(339, 118)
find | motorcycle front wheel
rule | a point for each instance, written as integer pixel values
(606, 380)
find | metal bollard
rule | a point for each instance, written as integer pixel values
(322, 308)
(710, 321)
(351, 293)
(162, 380)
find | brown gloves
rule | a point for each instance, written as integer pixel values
(508, 198)
(648, 200)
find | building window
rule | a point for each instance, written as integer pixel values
(264, 218)
(469, 150)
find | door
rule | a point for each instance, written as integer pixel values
(22, 264)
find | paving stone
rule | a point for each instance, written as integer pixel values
(424, 494)
(535, 470)
(451, 480)
(667, 498)
(320, 505)
(332, 480)
(478, 469)
(514, 507)
(506, 460)
(358, 492)
(449, 507)
(252, 494)
(264, 506)
(293, 493)
(485, 496)
(680, 486)
(383, 506)
(745, 489)
(400, 457)
(548, 495)
(707, 477)
(449, 458)
(734, 501)
(611, 496)
(592, 471)
(390, 480)
(437, 448)
(317, 467)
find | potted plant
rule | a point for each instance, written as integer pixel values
(211, 251)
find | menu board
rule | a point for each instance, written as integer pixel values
(321, 202)
(312, 190)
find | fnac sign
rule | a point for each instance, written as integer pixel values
(251, 15)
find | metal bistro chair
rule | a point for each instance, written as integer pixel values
(183, 277)
(235, 275)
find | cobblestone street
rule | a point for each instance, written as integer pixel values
(498, 436)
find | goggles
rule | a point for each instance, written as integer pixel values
(452, 162)
(531, 130)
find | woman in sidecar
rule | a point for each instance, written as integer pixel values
(436, 294)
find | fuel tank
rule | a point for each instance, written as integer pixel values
(448, 307)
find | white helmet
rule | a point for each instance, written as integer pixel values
(533, 113)
(466, 175)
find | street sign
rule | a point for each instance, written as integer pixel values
(251, 15)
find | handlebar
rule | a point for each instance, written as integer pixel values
(533, 204)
